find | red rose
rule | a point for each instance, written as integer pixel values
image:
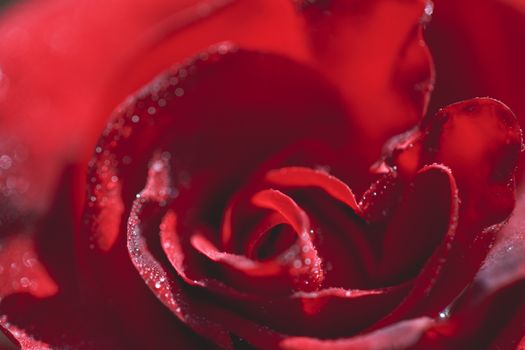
(219, 211)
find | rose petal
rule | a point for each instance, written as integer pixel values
(98, 45)
(297, 268)
(402, 335)
(18, 339)
(388, 60)
(491, 311)
(425, 219)
(41, 279)
(480, 140)
(304, 177)
(327, 313)
(478, 55)
(483, 169)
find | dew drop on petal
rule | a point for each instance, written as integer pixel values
(429, 8)
(179, 92)
(5, 162)
(25, 282)
(152, 110)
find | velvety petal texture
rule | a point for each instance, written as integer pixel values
(233, 201)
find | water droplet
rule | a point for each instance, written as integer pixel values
(429, 8)
(161, 102)
(157, 166)
(135, 119)
(179, 92)
(297, 264)
(28, 260)
(223, 48)
(25, 282)
(183, 73)
(5, 162)
(174, 81)
(307, 261)
(444, 314)
(152, 110)
(427, 12)
(157, 284)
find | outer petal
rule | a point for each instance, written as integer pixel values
(40, 293)
(383, 58)
(491, 312)
(484, 169)
(402, 335)
(86, 50)
(478, 55)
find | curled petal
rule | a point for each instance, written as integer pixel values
(16, 338)
(480, 140)
(492, 310)
(304, 177)
(299, 267)
(426, 219)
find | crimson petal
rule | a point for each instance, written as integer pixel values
(425, 219)
(480, 140)
(390, 61)
(297, 268)
(484, 171)
(304, 177)
(327, 313)
(492, 308)
(401, 335)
